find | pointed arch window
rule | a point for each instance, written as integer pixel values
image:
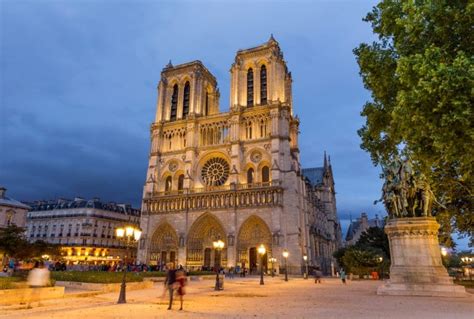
(248, 130)
(206, 109)
(263, 85)
(250, 174)
(263, 128)
(180, 182)
(186, 94)
(250, 87)
(168, 184)
(265, 174)
(174, 103)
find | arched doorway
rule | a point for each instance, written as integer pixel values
(164, 245)
(200, 251)
(253, 232)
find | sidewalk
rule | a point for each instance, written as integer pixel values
(245, 298)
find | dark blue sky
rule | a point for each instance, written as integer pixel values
(78, 87)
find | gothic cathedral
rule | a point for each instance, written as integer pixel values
(234, 176)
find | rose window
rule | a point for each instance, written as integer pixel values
(215, 172)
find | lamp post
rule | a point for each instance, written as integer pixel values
(261, 251)
(380, 260)
(218, 246)
(285, 255)
(272, 262)
(305, 258)
(129, 235)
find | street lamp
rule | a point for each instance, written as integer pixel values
(261, 251)
(129, 235)
(218, 246)
(444, 251)
(380, 260)
(272, 261)
(305, 258)
(285, 255)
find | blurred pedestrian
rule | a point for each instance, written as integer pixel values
(317, 275)
(37, 278)
(170, 282)
(342, 273)
(180, 283)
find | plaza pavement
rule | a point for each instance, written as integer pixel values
(245, 298)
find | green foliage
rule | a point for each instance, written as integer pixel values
(370, 253)
(420, 74)
(14, 244)
(362, 261)
(375, 238)
(338, 255)
(8, 282)
(102, 277)
(113, 277)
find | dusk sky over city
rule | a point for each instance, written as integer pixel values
(79, 88)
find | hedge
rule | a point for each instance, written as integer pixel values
(102, 277)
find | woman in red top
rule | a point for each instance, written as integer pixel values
(181, 282)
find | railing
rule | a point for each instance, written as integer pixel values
(230, 196)
(210, 189)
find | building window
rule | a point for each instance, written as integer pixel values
(250, 174)
(181, 182)
(248, 130)
(263, 85)
(174, 103)
(263, 128)
(187, 90)
(168, 184)
(265, 174)
(250, 87)
(9, 218)
(206, 109)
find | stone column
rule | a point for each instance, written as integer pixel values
(417, 268)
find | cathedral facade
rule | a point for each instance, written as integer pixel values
(234, 176)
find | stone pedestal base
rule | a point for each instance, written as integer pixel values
(417, 269)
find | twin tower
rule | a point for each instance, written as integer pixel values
(232, 176)
(259, 76)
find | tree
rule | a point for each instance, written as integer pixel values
(361, 261)
(375, 237)
(14, 244)
(420, 74)
(12, 241)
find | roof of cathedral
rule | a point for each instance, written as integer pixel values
(315, 175)
(82, 203)
(171, 67)
(354, 226)
(7, 201)
(265, 45)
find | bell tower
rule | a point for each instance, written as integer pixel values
(185, 91)
(259, 76)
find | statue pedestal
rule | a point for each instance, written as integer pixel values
(417, 269)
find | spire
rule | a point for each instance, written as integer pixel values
(272, 39)
(169, 65)
(325, 161)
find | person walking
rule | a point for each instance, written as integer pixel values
(170, 282)
(343, 276)
(317, 275)
(37, 278)
(180, 283)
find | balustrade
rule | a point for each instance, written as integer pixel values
(245, 195)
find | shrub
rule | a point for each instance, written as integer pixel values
(8, 282)
(95, 276)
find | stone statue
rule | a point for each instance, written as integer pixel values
(406, 192)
